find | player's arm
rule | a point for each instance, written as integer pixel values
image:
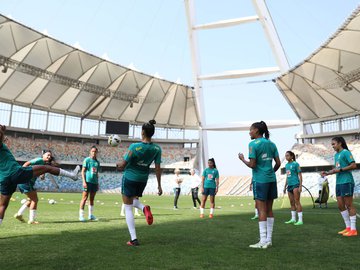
(217, 185)
(2, 134)
(158, 177)
(277, 163)
(300, 179)
(27, 164)
(202, 183)
(83, 176)
(351, 166)
(122, 164)
(251, 163)
(286, 183)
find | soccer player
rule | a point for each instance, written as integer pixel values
(12, 174)
(90, 179)
(195, 183)
(262, 152)
(293, 183)
(344, 163)
(136, 165)
(29, 190)
(177, 188)
(209, 186)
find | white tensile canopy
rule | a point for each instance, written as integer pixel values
(43, 73)
(327, 84)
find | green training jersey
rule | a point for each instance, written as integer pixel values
(343, 159)
(263, 151)
(139, 158)
(36, 161)
(292, 173)
(92, 167)
(8, 164)
(210, 176)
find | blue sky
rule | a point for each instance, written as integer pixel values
(152, 34)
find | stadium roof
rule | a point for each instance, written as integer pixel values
(43, 73)
(327, 83)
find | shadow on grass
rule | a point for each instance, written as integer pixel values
(191, 243)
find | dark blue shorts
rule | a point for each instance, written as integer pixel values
(265, 191)
(345, 190)
(26, 188)
(132, 188)
(22, 176)
(91, 187)
(209, 191)
(291, 188)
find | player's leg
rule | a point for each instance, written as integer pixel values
(33, 206)
(298, 206)
(4, 202)
(91, 205)
(138, 206)
(176, 198)
(342, 208)
(41, 169)
(269, 222)
(203, 201)
(25, 189)
(292, 207)
(196, 193)
(212, 205)
(348, 200)
(193, 197)
(84, 198)
(130, 220)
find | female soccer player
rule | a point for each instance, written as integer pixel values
(209, 186)
(261, 154)
(136, 165)
(293, 183)
(12, 174)
(344, 163)
(178, 181)
(29, 190)
(195, 183)
(90, 178)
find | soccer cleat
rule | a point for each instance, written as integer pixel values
(344, 231)
(351, 233)
(19, 218)
(259, 245)
(75, 173)
(255, 217)
(148, 214)
(82, 219)
(268, 244)
(299, 223)
(201, 215)
(33, 222)
(211, 216)
(133, 243)
(92, 218)
(291, 221)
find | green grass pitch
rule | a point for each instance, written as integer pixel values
(177, 239)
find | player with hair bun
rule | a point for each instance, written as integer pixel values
(262, 152)
(136, 166)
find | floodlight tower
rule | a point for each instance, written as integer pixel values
(263, 16)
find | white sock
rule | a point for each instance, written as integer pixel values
(346, 217)
(293, 215)
(32, 215)
(22, 209)
(201, 211)
(300, 216)
(137, 212)
(137, 204)
(130, 221)
(211, 211)
(122, 213)
(67, 174)
(262, 229)
(91, 209)
(81, 213)
(0, 220)
(353, 222)
(256, 212)
(269, 227)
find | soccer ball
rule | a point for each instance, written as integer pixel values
(114, 140)
(51, 201)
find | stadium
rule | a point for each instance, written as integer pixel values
(59, 97)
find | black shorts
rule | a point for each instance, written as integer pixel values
(22, 176)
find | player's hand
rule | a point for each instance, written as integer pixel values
(241, 156)
(323, 173)
(216, 191)
(300, 189)
(84, 185)
(160, 191)
(284, 191)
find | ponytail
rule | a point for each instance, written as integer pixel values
(292, 155)
(213, 161)
(262, 129)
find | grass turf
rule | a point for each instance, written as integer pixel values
(177, 239)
